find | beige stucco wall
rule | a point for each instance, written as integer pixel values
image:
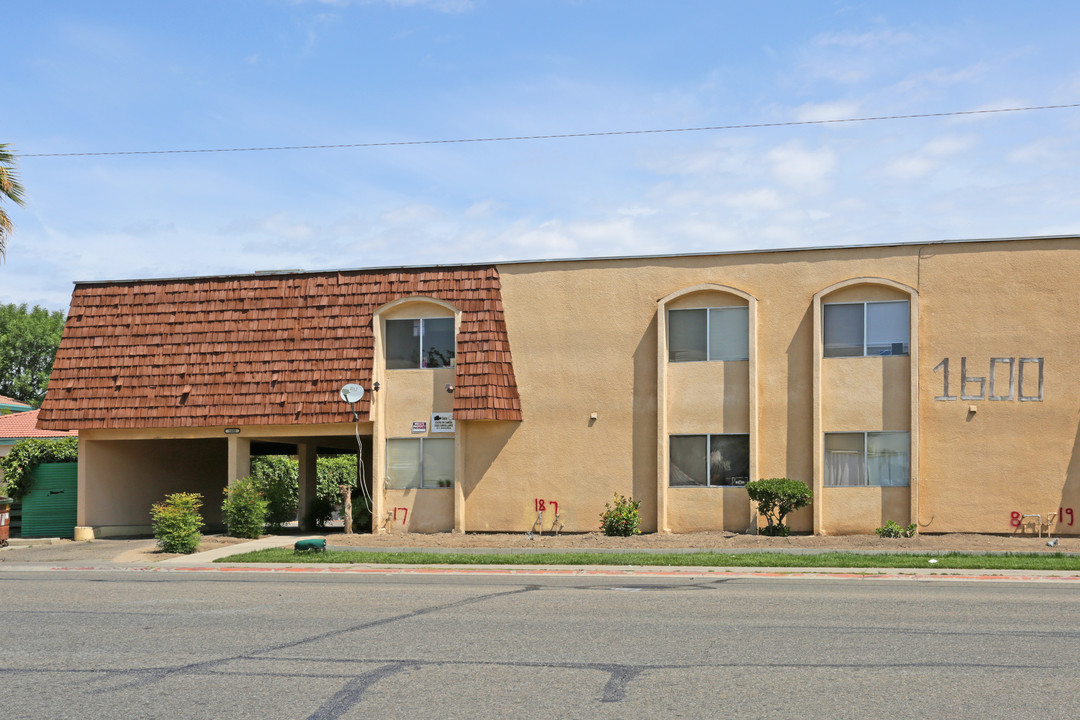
(1009, 300)
(120, 479)
(598, 399)
(423, 510)
(854, 510)
(589, 329)
(408, 396)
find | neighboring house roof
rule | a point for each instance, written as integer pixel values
(18, 426)
(13, 405)
(261, 349)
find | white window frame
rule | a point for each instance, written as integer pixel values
(708, 444)
(865, 455)
(708, 331)
(865, 314)
(420, 453)
(420, 341)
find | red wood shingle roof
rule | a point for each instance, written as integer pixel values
(260, 350)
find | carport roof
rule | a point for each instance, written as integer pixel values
(261, 350)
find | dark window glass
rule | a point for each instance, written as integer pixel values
(402, 344)
(427, 343)
(709, 460)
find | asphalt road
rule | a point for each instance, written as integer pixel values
(140, 644)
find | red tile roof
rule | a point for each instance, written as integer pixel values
(261, 350)
(24, 425)
(5, 400)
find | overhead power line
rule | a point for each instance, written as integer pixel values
(509, 138)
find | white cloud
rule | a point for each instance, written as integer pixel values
(865, 41)
(938, 78)
(1043, 150)
(797, 167)
(835, 110)
(760, 199)
(927, 159)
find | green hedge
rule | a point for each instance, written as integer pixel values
(18, 465)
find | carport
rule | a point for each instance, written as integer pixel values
(120, 478)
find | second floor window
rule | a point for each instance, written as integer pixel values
(719, 333)
(865, 328)
(420, 343)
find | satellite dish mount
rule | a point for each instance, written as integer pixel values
(352, 394)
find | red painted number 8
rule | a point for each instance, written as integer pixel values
(1015, 519)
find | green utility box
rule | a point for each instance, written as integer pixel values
(49, 509)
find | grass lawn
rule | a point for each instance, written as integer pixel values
(945, 561)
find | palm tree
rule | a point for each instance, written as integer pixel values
(10, 189)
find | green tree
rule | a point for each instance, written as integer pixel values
(10, 189)
(776, 497)
(28, 343)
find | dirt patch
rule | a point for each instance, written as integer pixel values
(151, 553)
(712, 541)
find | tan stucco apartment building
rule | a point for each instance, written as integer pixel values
(933, 383)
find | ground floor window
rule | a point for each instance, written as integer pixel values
(420, 463)
(709, 460)
(858, 459)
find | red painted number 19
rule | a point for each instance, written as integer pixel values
(1017, 519)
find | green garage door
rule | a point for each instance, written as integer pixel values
(48, 510)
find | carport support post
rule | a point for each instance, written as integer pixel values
(239, 458)
(307, 454)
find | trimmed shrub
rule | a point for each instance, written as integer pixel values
(776, 497)
(18, 465)
(244, 510)
(622, 520)
(892, 529)
(177, 522)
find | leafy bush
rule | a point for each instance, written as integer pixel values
(244, 509)
(776, 497)
(333, 472)
(277, 477)
(320, 513)
(623, 520)
(177, 522)
(18, 465)
(892, 529)
(361, 515)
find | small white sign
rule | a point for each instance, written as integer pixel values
(419, 427)
(442, 422)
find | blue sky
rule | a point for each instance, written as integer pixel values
(199, 74)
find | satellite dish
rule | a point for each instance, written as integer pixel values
(351, 393)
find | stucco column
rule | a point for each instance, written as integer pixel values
(661, 419)
(459, 477)
(83, 530)
(307, 455)
(239, 458)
